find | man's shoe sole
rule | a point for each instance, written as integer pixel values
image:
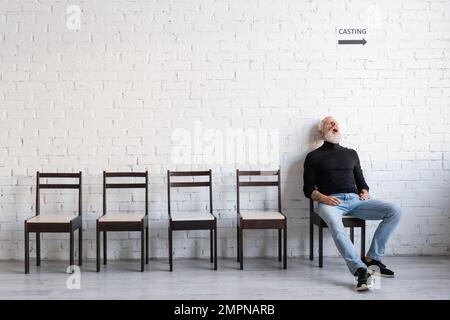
(387, 275)
(374, 272)
(362, 288)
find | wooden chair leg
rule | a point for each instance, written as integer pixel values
(105, 250)
(80, 246)
(285, 249)
(38, 248)
(311, 241)
(71, 259)
(363, 241)
(142, 249)
(211, 236)
(27, 249)
(215, 248)
(170, 250)
(352, 235)
(98, 249)
(279, 244)
(237, 245)
(241, 248)
(146, 244)
(320, 247)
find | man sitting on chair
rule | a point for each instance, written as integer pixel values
(333, 177)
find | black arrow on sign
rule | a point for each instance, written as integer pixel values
(362, 41)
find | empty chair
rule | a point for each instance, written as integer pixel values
(192, 220)
(123, 221)
(52, 223)
(349, 222)
(274, 219)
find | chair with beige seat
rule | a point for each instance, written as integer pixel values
(192, 220)
(274, 219)
(123, 221)
(348, 222)
(55, 223)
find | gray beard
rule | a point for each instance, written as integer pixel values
(332, 137)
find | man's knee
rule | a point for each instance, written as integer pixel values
(394, 211)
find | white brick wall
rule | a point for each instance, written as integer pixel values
(110, 95)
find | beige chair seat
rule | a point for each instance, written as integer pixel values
(191, 216)
(261, 215)
(122, 217)
(52, 218)
(348, 217)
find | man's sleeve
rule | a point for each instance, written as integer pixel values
(358, 174)
(309, 176)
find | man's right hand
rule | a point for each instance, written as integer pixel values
(331, 201)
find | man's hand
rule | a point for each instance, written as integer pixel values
(331, 201)
(364, 194)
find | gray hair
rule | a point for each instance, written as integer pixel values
(320, 125)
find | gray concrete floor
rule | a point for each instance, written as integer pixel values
(416, 278)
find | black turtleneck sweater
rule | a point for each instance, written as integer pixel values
(333, 169)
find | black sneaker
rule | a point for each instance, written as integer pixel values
(378, 267)
(363, 280)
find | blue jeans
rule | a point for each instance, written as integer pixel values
(370, 209)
